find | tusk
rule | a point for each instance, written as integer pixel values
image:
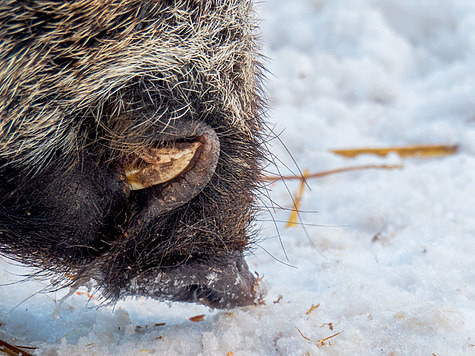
(159, 165)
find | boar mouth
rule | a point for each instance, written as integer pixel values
(160, 180)
(170, 175)
(214, 285)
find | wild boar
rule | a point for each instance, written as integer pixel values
(131, 144)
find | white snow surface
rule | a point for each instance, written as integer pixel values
(388, 255)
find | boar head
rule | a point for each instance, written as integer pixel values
(130, 144)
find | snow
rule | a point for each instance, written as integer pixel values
(388, 255)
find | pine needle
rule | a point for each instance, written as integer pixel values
(421, 151)
(197, 318)
(306, 338)
(11, 350)
(321, 342)
(297, 199)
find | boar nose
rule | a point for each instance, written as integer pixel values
(225, 284)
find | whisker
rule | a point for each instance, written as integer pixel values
(278, 260)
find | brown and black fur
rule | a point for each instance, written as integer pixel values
(84, 84)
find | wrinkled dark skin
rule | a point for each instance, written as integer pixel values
(86, 86)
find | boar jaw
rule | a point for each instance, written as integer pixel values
(217, 281)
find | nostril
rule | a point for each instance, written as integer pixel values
(203, 295)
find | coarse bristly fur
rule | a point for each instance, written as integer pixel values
(84, 84)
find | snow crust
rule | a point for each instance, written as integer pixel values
(388, 255)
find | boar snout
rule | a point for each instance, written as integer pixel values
(217, 285)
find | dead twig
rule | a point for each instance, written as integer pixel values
(312, 308)
(333, 171)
